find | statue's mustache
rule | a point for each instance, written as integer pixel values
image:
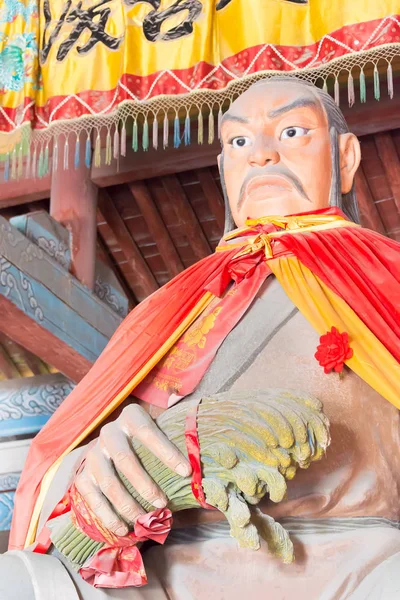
(270, 172)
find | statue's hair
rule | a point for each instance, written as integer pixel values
(337, 125)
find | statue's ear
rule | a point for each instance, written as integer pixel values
(350, 156)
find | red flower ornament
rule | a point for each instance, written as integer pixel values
(333, 350)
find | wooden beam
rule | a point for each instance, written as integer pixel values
(186, 216)
(7, 367)
(127, 244)
(73, 203)
(104, 255)
(212, 195)
(23, 330)
(15, 192)
(369, 214)
(157, 227)
(390, 162)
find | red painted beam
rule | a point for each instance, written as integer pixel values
(24, 331)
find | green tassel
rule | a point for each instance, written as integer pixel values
(135, 144)
(20, 162)
(145, 137)
(377, 88)
(363, 88)
(40, 166)
(46, 160)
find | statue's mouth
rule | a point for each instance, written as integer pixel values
(269, 184)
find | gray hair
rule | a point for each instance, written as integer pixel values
(337, 125)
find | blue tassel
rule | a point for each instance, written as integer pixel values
(187, 131)
(135, 136)
(377, 87)
(7, 168)
(177, 136)
(88, 153)
(77, 153)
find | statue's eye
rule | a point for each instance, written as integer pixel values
(293, 132)
(240, 142)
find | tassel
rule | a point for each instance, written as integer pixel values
(390, 81)
(40, 166)
(7, 168)
(88, 152)
(116, 143)
(219, 122)
(14, 164)
(337, 92)
(155, 133)
(97, 151)
(350, 90)
(123, 140)
(55, 156)
(210, 127)
(77, 153)
(108, 148)
(34, 163)
(46, 160)
(377, 87)
(200, 128)
(145, 136)
(135, 144)
(186, 133)
(363, 89)
(177, 139)
(20, 162)
(165, 131)
(66, 156)
(325, 86)
(28, 163)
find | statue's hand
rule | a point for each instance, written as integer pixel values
(99, 483)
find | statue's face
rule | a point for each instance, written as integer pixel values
(276, 152)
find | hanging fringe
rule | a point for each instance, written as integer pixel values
(28, 163)
(108, 148)
(20, 162)
(7, 168)
(46, 160)
(219, 122)
(14, 163)
(325, 86)
(123, 140)
(97, 151)
(55, 156)
(165, 131)
(177, 134)
(77, 157)
(363, 89)
(41, 163)
(88, 152)
(116, 143)
(155, 133)
(200, 128)
(377, 87)
(135, 144)
(186, 133)
(390, 81)
(34, 163)
(350, 90)
(210, 127)
(336, 92)
(145, 136)
(66, 155)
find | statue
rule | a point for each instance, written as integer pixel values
(297, 297)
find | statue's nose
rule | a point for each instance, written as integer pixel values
(262, 155)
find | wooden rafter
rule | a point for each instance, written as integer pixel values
(368, 212)
(104, 255)
(156, 227)
(126, 243)
(7, 366)
(212, 195)
(186, 216)
(391, 164)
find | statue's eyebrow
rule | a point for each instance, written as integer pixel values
(234, 119)
(298, 103)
